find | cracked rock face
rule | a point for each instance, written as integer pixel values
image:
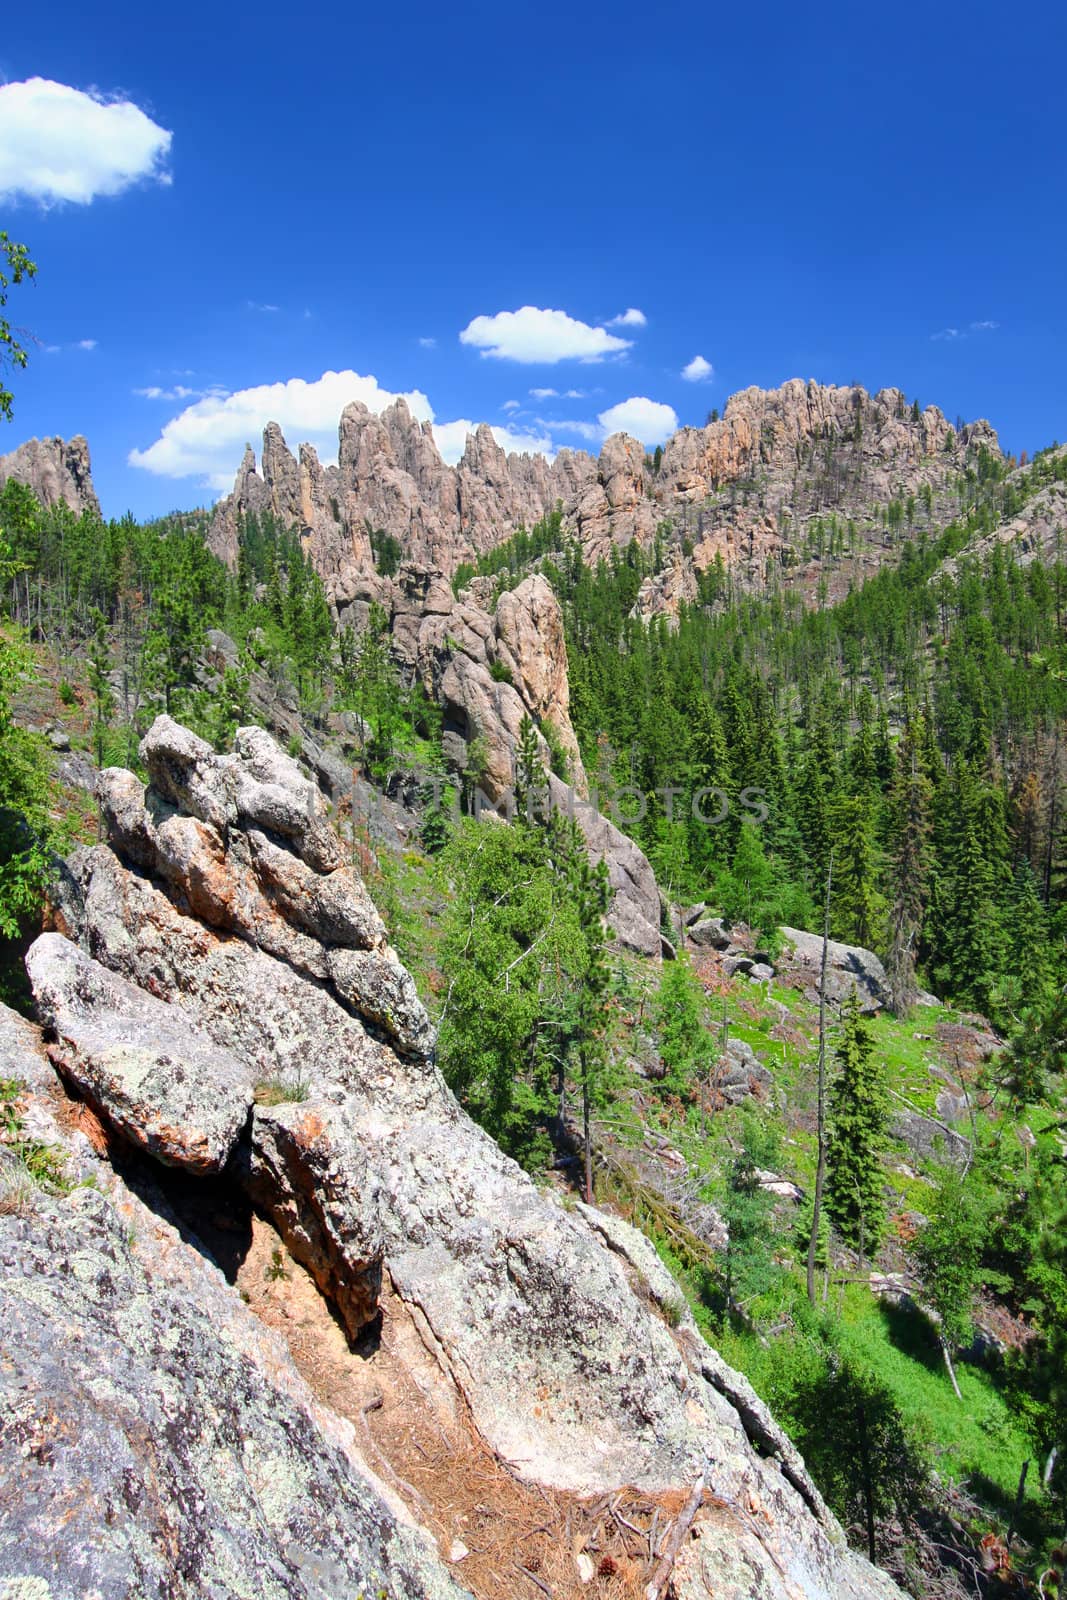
(157, 1079)
(156, 1440)
(56, 470)
(539, 1318)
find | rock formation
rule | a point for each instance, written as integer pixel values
(850, 970)
(488, 669)
(55, 469)
(224, 948)
(158, 1440)
(1035, 532)
(738, 487)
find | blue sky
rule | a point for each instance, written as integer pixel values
(846, 193)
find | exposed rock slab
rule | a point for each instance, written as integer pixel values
(145, 1066)
(157, 1440)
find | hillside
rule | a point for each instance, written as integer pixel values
(842, 665)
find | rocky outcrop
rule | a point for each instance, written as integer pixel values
(141, 1064)
(158, 1439)
(56, 470)
(1036, 532)
(545, 1333)
(849, 970)
(490, 669)
(740, 487)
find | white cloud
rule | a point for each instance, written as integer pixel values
(75, 344)
(260, 305)
(698, 371)
(535, 336)
(585, 430)
(511, 405)
(58, 143)
(630, 318)
(648, 420)
(428, 343)
(451, 440)
(206, 440)
(545, 394)
(180, 391)
(986, 326)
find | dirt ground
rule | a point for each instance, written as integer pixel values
(505, 1540)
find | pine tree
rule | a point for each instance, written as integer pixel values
(909, 828)
(859, 1113)
(25, 829)
(970, 932)
(747, 1209)
(858, 906)
(1028, 939)
(530, 779)
(748, 892)
(590, 891)
(685, 1044)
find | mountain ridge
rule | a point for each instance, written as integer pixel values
(761, 454)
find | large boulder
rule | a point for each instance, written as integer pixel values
(144, 1065)
(849, 969)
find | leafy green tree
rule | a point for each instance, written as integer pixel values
(948, 1254)
(859, 1114)
(15, 268)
